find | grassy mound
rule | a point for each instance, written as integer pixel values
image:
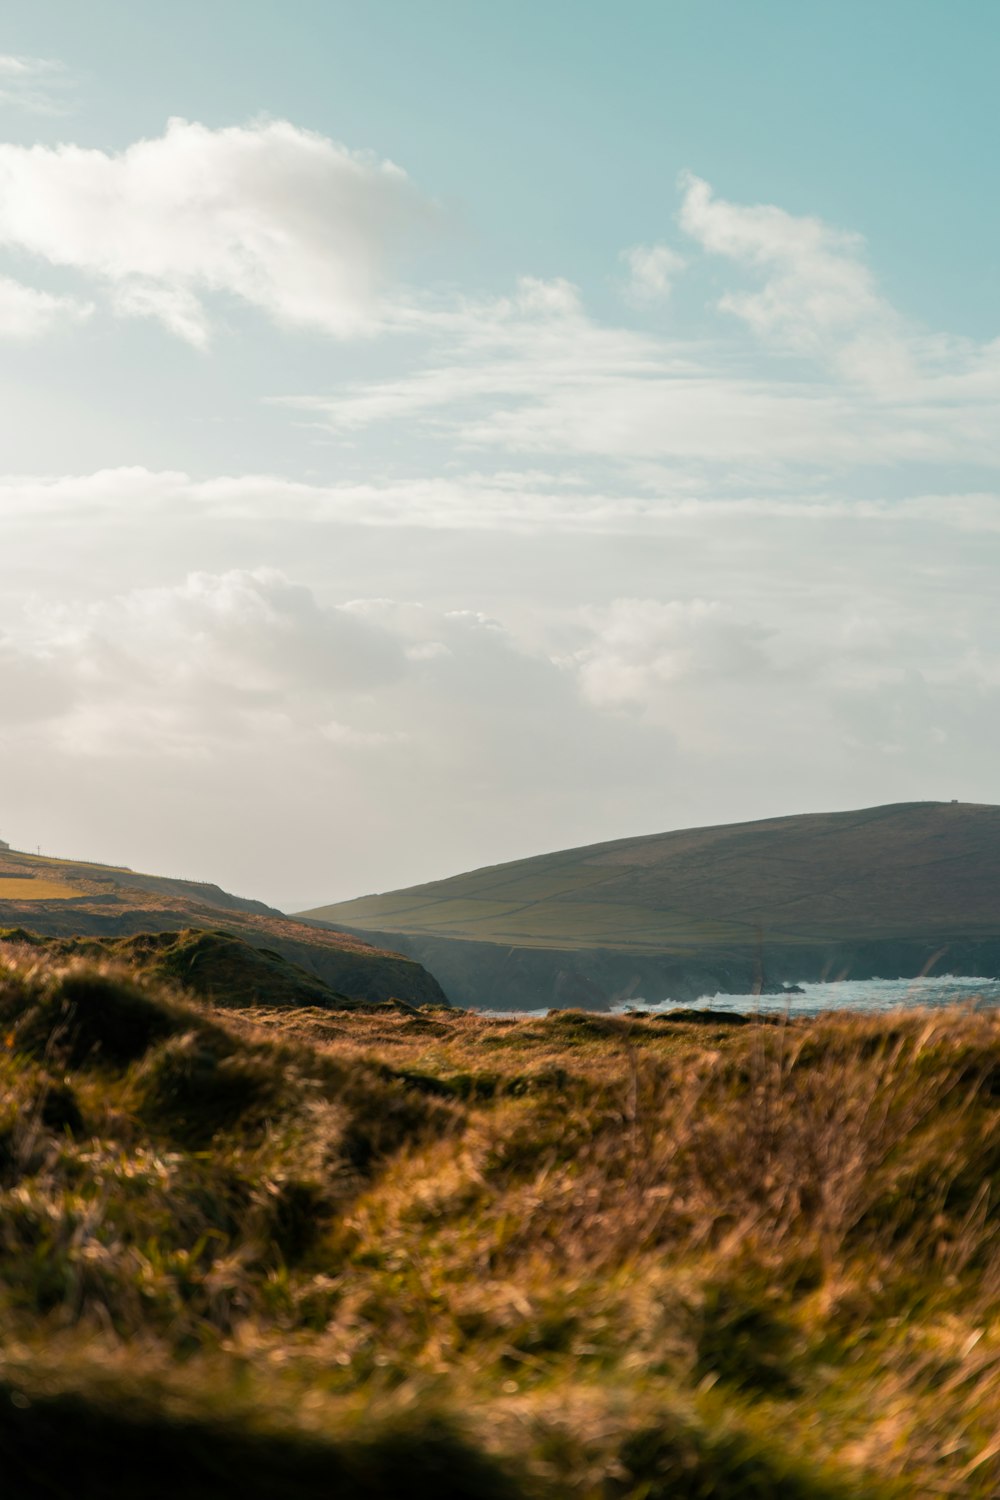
(213, 965)
(297, 1252)
(227, 948)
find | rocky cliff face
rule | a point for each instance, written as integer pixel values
(492, 976)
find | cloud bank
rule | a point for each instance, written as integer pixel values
(387, 724)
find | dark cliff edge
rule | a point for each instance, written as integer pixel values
(494, 976)
(358, 968)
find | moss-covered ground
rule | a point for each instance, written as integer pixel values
(297, 1253)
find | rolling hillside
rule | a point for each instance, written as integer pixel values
(73, 899)
(878, 891)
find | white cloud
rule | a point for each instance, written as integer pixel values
(626, 406)
(782, 691)
(652, 271)
(38, 85)
(532, 502)
(174, 669)
(248, 633)
(302, 229)
(818, 297)
(176, 307)
(793, 614)
(27, 314)
(346, 736)
(641, 650)
(520, 347)
(284, 219)
(534, 373)
(36, 683)
(192, 668)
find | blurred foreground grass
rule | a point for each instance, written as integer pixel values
(304, 1253)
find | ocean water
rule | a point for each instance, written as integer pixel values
(854, 994)
(841, 994)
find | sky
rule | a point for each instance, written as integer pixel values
(435, 434)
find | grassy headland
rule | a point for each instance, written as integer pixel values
(291, 1251)
(117, 909)
(886, 891)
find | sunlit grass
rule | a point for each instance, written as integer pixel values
(589, 1256)
(29, 889)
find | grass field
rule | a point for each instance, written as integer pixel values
(308, 1253)
(13, 888)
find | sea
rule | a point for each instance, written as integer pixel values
(841, 994)
(855, 994)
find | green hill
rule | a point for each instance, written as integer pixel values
(876, 891)
(74, 900)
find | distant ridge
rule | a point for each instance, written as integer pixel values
(875, 891)
(77, 899)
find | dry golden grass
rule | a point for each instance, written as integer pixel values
(29, 889)
(587, 1256)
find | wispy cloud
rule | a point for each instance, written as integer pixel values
(529, 502)
(652, 271)
(818, 296)
(816, 373)
(817, 370)
(28, 314)
(38, 85)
